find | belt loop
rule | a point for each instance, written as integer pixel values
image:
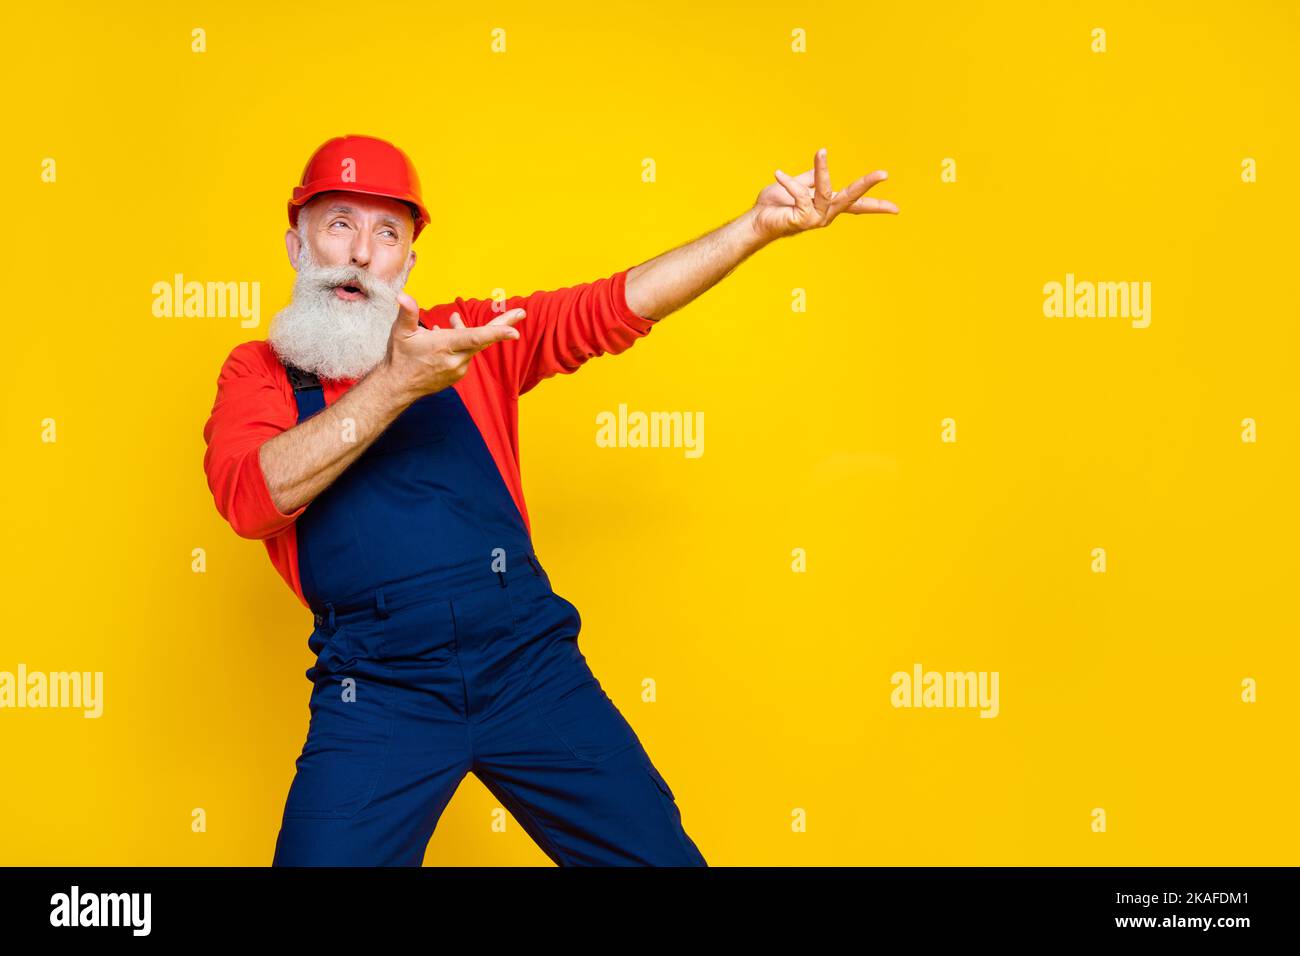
(380, 608)
(330, 607)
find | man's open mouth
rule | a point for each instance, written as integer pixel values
(349, 292)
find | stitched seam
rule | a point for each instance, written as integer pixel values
(391, 706)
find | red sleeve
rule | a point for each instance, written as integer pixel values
(254, 403)
(562, 330)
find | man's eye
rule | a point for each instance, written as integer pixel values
(337, 222)
(390, 232)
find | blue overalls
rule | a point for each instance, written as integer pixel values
(442, 650)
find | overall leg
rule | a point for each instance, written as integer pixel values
(560, 757)
(387, 746)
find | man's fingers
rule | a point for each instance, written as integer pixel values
(849, 195)
(797, 191)
(869, 204)
(822, 192)
(508, 318)
(478, 338)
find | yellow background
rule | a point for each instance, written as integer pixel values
(822, 429)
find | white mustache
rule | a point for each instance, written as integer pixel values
(333, 337)
(327, 278)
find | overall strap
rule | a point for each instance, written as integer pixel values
(307, 391)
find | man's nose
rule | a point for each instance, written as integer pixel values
(361, 249)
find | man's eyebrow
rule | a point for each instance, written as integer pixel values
(339, 207)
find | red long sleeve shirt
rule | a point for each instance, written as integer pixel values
(255, 402)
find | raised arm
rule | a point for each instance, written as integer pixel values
(792, 205)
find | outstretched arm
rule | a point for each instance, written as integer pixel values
(792, 205)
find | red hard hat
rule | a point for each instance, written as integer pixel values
(360, 164)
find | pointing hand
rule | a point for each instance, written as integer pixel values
(422, 361)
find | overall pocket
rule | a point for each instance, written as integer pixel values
(537, 610)
(558, 683)
(334, 652)
(693, 856)
(569, 700)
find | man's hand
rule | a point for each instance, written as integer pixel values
(798, 203)
(421, 361)
(668, 281)
(301, 462)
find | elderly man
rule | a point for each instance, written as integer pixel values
(372, 446)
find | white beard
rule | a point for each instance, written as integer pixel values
(337, 339)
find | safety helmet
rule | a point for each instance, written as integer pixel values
(360, 164)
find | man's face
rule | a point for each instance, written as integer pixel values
(353, 254)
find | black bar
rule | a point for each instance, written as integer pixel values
(977, 904)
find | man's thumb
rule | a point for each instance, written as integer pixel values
(408, 314)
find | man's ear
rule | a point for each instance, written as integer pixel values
(410, 261)
(293, 246)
